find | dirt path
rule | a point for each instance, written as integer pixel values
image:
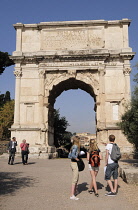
(45, 185)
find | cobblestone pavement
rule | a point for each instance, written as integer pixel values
(45, 185)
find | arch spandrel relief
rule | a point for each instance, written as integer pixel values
(89, 78)
(55, 56)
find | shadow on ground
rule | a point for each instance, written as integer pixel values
(82, 187)
(30, 163)
(129, 160)
(10, 182)
(133, 162)
(99, 185)
(107, 188)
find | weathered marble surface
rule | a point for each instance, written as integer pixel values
(51, 57)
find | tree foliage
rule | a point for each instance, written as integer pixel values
(129, 120)
(61, 136)
(6, 119)
(4, 98)
(5, 61)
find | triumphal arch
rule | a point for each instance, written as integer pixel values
(52, 57)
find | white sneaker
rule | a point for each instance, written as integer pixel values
(74, 198)
(106, 194)
(110, 194)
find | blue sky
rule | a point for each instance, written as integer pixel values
(75, 105)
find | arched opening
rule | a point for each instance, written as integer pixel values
(81, 88)
(68, 84)
(78, 108)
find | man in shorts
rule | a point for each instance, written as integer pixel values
(111, 169)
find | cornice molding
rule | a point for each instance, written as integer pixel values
(106, 57)
(61, 24)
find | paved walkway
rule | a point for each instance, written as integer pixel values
(45, 185)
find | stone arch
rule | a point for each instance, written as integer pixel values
(91, 55)
(86, 79)
(64, 84)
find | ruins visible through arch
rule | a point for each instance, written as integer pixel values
(51, 57)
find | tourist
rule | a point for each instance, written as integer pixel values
(93, 157)
(11, 147)
(73, 155)
(111, 169)
(24, 152)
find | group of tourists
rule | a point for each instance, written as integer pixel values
(93, 157)
(11, 147)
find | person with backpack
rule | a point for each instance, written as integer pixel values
(93, 157)
(74, 156)
(111, 162)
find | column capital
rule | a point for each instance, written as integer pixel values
(101, 70)
(126, 70)
(17, 73)
(41, 73)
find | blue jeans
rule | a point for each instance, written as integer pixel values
(111, 170)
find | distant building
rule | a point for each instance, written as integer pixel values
(85, 138)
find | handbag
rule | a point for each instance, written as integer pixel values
(81, 165)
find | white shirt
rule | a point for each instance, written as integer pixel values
(12, 144)
(109, 148)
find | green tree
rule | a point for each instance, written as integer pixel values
(4, 98)
(6, 119)
(5, 61)
(129, 120)
(60, 126)
(66, 138)
(1, 100)
(7, 97)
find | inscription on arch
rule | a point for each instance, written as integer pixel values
(72, 38)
